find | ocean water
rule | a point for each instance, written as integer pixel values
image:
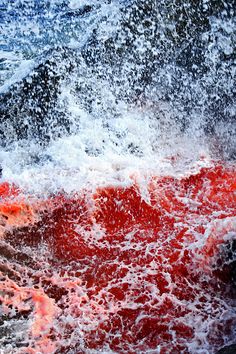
(142, 89)
(109, 103)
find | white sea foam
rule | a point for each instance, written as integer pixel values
(104, 152)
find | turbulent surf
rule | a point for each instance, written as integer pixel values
(118, 177)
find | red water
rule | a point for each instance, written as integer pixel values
(115, 271)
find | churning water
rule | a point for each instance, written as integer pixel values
(118, 176)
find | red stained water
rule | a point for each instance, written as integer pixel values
(122, 272)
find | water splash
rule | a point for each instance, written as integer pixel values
(112, 115)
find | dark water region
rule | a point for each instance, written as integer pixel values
(181, 53)
(67, 66)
